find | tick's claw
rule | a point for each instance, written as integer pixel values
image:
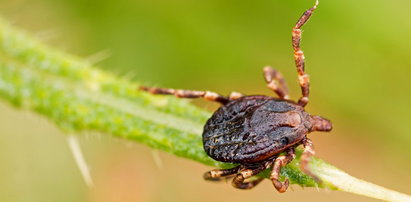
(281, 187)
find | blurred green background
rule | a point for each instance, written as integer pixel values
(357, 54)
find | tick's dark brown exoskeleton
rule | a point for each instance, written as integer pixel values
(253, 131)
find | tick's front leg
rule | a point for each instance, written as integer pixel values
(306, 158)
(299, 55)
(275, 81)
(275, 173)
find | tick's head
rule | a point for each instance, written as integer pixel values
(321, 124)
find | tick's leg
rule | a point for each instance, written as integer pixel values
(299, 56)
(235, 95)
(275, 173)
(275, 81)
(211, 96)
(219, 174)
(238, 181)
(306, 157)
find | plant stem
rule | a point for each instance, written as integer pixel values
(78, 97)
(348, 183)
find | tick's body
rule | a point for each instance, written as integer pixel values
(253, 131)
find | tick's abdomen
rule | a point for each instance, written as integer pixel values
(248, 129)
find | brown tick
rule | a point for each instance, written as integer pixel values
(253, 131)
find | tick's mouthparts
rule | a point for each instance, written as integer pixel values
(321, 124)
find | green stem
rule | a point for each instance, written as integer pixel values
(78, 97)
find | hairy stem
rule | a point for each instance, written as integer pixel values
(78, 97)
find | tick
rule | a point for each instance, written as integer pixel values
(259, 132)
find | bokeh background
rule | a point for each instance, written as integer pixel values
(357, 53)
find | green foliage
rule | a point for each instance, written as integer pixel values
(78, 97)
